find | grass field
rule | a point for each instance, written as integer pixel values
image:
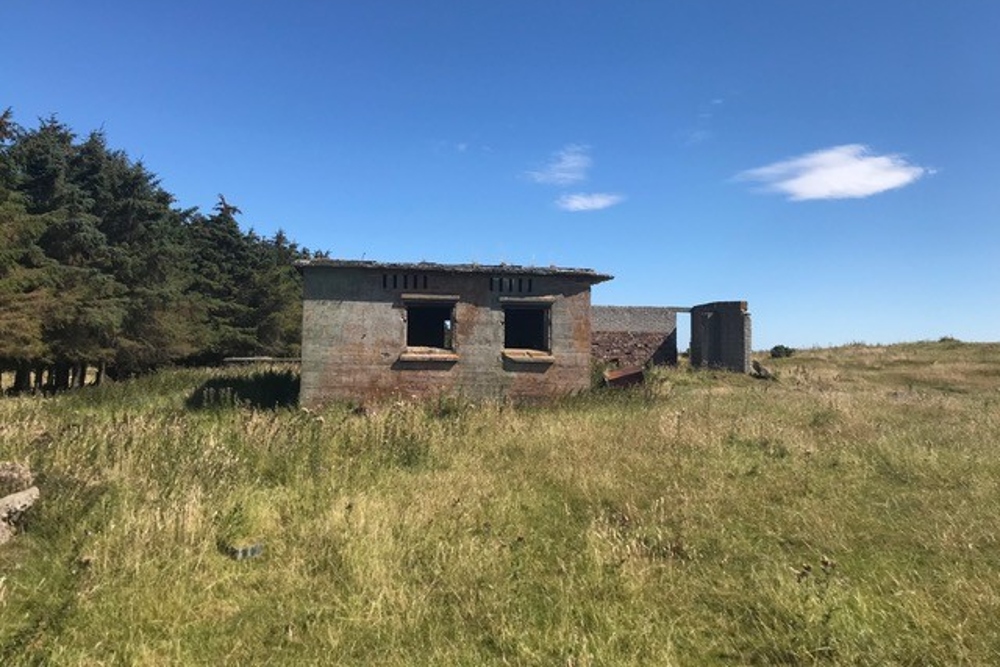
(848, 513)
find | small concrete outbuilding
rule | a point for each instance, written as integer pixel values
(374, 330)
(720, 335)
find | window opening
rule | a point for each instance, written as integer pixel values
(430, 326)
(526, 328)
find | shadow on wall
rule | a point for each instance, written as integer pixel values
(666, 353)
(265, 390)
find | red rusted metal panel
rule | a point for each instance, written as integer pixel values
(624, 377)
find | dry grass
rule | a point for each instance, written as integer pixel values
(847, 514)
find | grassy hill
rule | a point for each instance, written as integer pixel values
(848, 513)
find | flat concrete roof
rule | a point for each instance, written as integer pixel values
(588, 275)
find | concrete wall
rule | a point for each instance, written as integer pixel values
(721, 335)
(354, 336)
(634, 335)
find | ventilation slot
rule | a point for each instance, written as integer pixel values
(405, 281)
(507, 285)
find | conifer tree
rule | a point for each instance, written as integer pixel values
(99, 268)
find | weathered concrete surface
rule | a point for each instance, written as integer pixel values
(721, 335)
(354, 333)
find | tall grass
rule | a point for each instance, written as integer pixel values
(848, 513)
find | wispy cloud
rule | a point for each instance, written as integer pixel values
(588, 201)
(841, 172)
(697, 136)
(702, 130)
(570, 165)
(567, 166)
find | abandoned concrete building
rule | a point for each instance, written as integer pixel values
(374, 330)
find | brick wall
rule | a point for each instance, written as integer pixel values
(634, 335)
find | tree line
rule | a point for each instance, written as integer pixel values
(103, 275)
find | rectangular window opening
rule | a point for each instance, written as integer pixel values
(430, 325)
(526, 328)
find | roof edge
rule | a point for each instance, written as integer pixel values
(326, 263)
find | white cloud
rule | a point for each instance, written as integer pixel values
(840, 172)
(568, 165)
(588, 201)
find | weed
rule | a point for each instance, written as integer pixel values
(694, 520)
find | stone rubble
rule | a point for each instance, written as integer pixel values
(18, 495)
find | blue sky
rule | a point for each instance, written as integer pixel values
(835, 164)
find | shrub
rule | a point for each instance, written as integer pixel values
(779, 351)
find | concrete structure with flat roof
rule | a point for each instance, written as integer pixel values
(374, 330)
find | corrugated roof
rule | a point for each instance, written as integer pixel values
(492, 269)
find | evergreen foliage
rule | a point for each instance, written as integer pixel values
(781, 351)
(100, 269)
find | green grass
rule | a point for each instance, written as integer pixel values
(848, 513)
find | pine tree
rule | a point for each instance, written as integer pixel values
(98, 267)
